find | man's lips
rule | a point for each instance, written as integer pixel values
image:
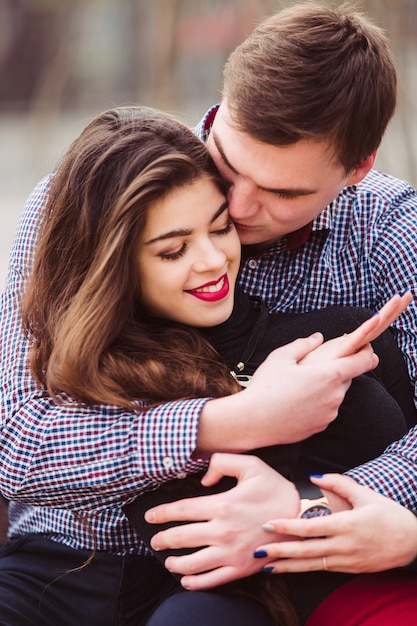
(213, 291)
(242, 227)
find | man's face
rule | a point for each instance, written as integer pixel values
(274, 190)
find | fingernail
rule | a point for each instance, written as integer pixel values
(260, 554)
(149, 516)
(268, 527)
(316, 475)
(268, 570)
(404, 292)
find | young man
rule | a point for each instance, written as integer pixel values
(306, 100)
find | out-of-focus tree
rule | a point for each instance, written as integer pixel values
(181, 45)
(399, 18)
(35, 54)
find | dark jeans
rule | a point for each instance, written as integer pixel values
(41, 585)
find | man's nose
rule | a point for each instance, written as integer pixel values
(243, 199)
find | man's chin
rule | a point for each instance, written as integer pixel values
(254, 239)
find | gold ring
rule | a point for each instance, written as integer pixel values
(325, 564)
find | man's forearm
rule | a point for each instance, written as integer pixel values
(394, 473)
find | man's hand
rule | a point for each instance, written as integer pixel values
(287, 400)
(228, 524)
(376, 534)
(296, 392)
(365, 333)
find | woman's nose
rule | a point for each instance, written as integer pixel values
(210, 257)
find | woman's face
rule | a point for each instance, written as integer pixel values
(189, 256)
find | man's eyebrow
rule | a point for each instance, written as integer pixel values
(295, 191)
(222, 154)
(184, 232)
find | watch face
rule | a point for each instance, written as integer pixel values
(316, 510)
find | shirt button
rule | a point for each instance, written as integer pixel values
(168, 462)
(182, 475)
(252, 263)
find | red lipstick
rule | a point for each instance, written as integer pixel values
(213, 291)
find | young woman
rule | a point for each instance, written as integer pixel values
(135, 249)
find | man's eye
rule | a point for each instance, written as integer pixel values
(286, 195)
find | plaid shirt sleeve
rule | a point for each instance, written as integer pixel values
(69, 455)
(394, 473)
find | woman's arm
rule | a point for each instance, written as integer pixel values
(375, 535)
(202, 508)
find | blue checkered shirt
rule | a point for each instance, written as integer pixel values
(361, 250)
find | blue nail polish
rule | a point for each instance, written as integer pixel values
(260, 554)
(268, 570)
(404, 292)
(315, 475)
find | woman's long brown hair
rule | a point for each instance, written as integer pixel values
(92, 338)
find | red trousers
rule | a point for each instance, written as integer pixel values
(383, 599)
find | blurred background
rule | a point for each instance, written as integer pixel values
(63, 61)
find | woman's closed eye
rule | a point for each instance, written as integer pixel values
(225, 230)
(176, 254)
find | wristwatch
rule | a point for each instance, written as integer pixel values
(314, 508)
(313, 502)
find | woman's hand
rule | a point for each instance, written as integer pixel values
(229, 524)
(376, 534)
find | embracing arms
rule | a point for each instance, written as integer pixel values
(219, 516)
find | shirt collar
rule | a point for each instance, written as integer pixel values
(324, 220)
(207, 122)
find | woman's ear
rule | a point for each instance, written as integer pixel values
(361, 170)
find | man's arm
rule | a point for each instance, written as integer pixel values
(394, 473)
(104, 455)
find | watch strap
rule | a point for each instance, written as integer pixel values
(307, 490)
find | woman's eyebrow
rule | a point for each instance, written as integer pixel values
(220, 210)
(179, 232)
(183, 232)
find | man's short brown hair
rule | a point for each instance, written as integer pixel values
(313, 71)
